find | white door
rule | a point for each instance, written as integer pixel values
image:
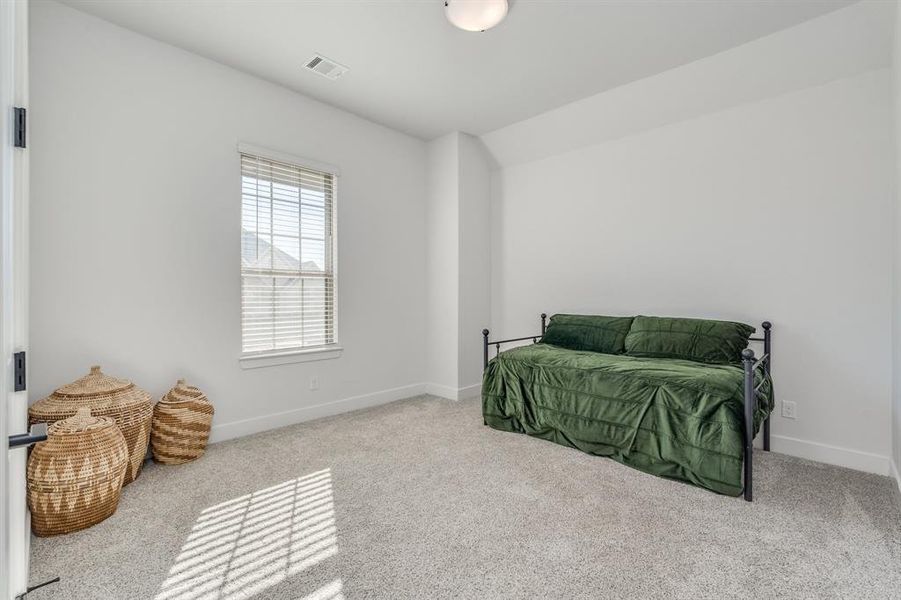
(14, 530)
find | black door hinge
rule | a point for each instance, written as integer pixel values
(19, 127)
(19, 372)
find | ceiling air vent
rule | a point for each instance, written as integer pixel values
(326, 67)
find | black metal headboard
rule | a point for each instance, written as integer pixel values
(497, 344)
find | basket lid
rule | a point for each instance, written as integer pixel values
(94, 383)
(80, 422)
(104, 395)
(182, 392)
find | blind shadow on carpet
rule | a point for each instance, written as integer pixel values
(239, 548)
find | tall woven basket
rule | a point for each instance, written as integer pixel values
(181, 425)
(75, 477)
(130, 406)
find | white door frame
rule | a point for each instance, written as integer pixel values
(14, 525)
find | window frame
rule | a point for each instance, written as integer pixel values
(267, 358)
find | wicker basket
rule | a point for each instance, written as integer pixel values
(130, 406)
(74, 478)
(181, 425)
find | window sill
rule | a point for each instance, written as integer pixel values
(272, 359)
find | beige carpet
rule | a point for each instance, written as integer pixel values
(417, 499)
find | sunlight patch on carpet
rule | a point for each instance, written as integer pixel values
(239, 548)
(331, 591)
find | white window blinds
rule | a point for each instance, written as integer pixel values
(287, 256)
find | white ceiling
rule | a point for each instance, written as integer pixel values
(413, 71)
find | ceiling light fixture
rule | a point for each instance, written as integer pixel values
(475, 15)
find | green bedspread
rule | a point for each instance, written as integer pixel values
(673, 418)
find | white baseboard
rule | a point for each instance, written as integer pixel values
(470, 391)
(452, 393)
(833, 455)
(443, 391)
(235, 429)
(227, 431)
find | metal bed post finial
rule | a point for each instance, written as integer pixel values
(485, 349)
(768, 351)
(543, 323)
(747, 359)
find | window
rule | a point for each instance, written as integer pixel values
(287, 255)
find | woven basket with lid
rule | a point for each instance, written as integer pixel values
(75, 477)
(181, 425)
(129, 405)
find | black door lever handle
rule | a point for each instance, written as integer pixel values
(37, 434)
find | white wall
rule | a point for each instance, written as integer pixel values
(475, 259)
(458, 263)
(777, 208)
(136, 220)
(443, 264)
(896, 297)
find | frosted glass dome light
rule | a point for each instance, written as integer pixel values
(475, 15)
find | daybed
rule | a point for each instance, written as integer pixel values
(678, 398)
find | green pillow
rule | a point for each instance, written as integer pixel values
(700, 340)
(588, 332)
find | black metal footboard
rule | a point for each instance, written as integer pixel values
(751, 393)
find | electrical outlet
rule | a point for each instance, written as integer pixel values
(789, 409)
(314, 383)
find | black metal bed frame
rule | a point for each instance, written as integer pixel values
(750, 364)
